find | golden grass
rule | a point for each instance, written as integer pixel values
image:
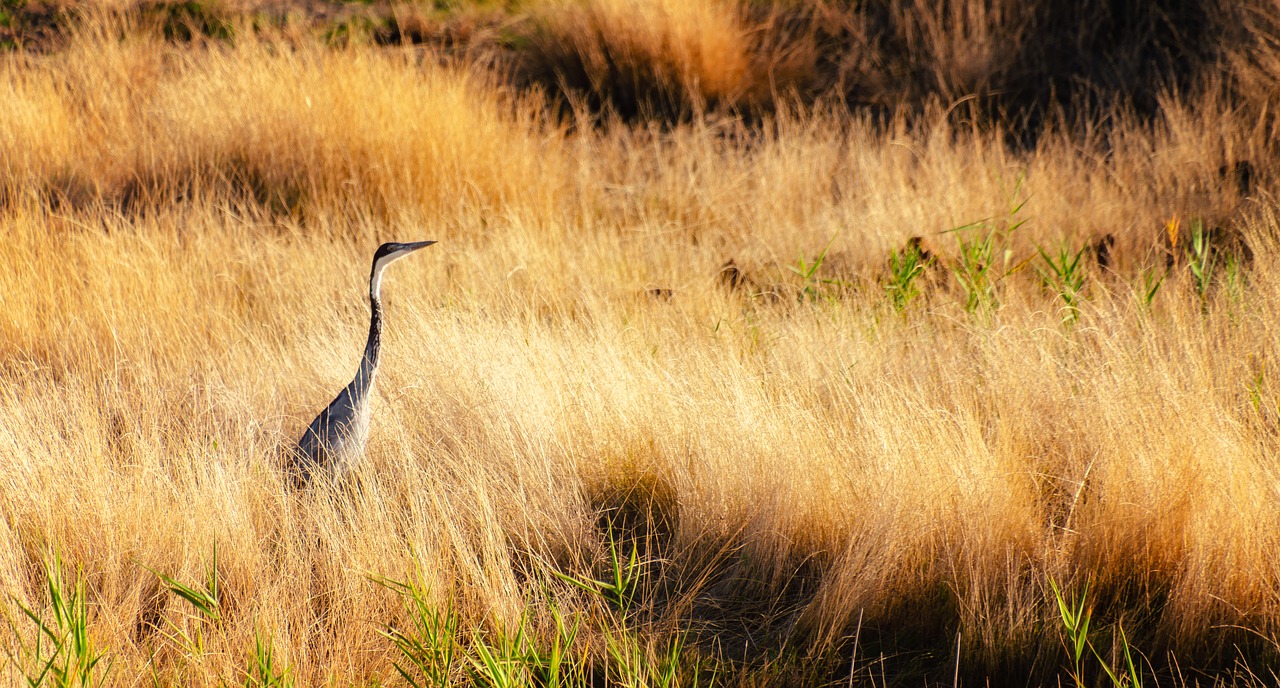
(279, 131)
(653, 57)
(698, 46)
(187, 233)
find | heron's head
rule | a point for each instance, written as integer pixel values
(387, 254)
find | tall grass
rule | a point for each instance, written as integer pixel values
(668, 53)
(569, 382)
(363, 129)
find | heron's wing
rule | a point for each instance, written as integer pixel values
(327, 432)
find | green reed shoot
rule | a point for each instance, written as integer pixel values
(808, 271)
(633, 664)
(1076, 614)
(623, 577)
(1200, 259)
(669, 664)
(519, 660)
(1151, 281)
(63, 654)
(985, 257)
(1064, 274)
(510, 662)
(627, 660)
(905, 267)
(1233, 278)
(557, 669)
(1132, 677)
(263, 671)
(973, 271)
(1257, 387)
(1075, 623)
(428, 646)
(205, 600)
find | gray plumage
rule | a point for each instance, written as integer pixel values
(336, 438)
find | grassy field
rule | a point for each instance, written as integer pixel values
(820, 388)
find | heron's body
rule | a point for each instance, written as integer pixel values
(336, 438)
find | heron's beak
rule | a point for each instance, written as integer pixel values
(414, 246)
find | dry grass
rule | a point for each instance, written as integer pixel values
(1012, 61)
(187, 231)
(643, 56)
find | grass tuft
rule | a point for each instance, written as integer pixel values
(62, 653)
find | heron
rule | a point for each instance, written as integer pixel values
(336, 438)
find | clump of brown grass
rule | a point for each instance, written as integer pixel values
(642, 57)
(301, 122)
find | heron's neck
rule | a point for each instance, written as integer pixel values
(369, 363)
